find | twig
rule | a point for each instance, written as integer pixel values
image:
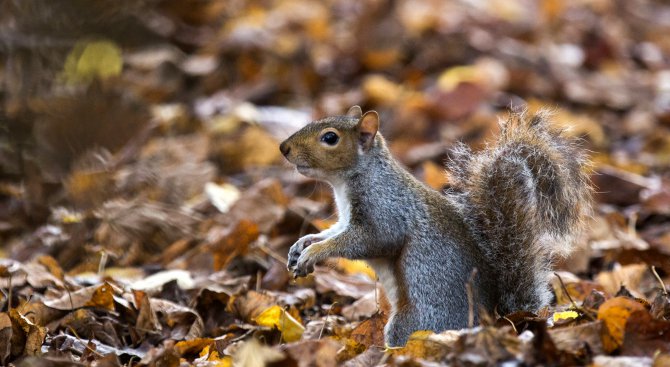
(471, 298)
(574, 305)
(9, 297)
(272, 253)
(325, 322)
(653, 270)
(103, 262)
(85, 344)
(511, 323)
(67, 288)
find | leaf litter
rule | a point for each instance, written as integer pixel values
(146, 213)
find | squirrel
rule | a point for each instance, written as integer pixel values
(509, 211)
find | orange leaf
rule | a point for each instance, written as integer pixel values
(615, 313)
(103, 297)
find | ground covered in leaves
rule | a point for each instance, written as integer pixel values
(146, 214)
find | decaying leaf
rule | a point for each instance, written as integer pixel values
(615, 314)
(253, 354)
(371, 331)
(232, 242)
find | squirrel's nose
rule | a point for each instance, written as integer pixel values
(284, 148)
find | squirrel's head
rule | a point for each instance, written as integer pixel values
(331, 145)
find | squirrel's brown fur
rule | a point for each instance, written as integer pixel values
(510, 210)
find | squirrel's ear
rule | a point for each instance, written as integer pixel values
(368, 125)
(355, 111)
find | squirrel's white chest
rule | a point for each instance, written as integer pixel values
(343, 205)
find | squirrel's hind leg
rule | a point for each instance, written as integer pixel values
(400, 326)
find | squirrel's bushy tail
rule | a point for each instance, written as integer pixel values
(525, 199)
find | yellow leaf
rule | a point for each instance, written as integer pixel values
(565, 315)
(275, 316)
(418, 345)
(356, 267)
(89, 60)
(213, 356)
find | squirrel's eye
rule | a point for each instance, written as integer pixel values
(330, 138)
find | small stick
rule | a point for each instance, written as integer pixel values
(325, 322)
(272, 254)
(511, 323)
(9, 296)
(574, 305)
(103, 262)
(653, 270)
(85, 344)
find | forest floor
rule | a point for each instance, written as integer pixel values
(146, 212)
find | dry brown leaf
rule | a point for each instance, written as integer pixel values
(317, 353)
(103, 297)
(246, 148)
(573, 338)
(32, 337)
(5, 336)
(250, 304)
(364, 307)
(181, 322)
(147, 321)
(328, 280)
(78, 299)
(488, 346)
(371, 331)
(253, 354)
(615, 314)
(630, 276)
(645, 335)
(264, 204)
(232, 242)
(577, 291)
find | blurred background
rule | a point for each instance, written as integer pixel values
(145, 133)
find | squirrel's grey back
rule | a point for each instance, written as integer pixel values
(525, 200)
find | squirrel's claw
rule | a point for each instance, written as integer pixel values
(294, 255)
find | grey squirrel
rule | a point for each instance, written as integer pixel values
(510, 210)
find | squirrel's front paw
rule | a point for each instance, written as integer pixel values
(306, 261)
(297, 249)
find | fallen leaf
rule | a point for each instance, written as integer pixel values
(102, 297)
(232, 242)
(565, 315)
(275, 316)
(371, 331)
(250, 304)
(615, 314)
(328, 280)
(645, 335)
(89, 60)
(253, 354)
(5, 336)
(194, 346)
(317, 353)
(573, 338)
